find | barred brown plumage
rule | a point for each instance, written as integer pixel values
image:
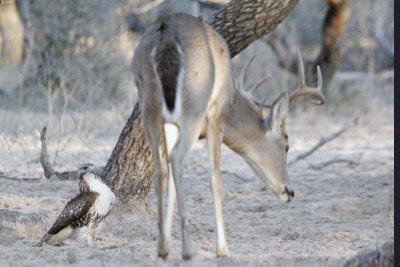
(82, 215)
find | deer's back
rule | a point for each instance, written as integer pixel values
(205, 61)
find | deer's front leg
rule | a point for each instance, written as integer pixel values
(214, 140)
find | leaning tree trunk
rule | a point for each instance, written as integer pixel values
(243, 22)
(129, 169)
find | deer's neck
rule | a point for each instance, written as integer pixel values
(242, 125)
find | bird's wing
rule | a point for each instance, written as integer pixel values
(74, 210)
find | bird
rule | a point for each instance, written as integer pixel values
(82, 215)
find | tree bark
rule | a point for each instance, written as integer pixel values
(129, 169)
(242, 22)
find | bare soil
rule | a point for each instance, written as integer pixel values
(343, 203)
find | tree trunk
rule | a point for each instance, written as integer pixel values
(242, 22)
(11, 33)
(129, 169)
(330, 55)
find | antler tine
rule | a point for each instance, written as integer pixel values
(302, 75)
(303, 89)
(254, 88)
(249, 94)
(243, 73)
(319, 88)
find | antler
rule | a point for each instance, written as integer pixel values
(243, 73)
(303, 89)
(255, 87)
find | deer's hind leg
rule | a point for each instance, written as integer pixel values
(189, 134)
(153, 129)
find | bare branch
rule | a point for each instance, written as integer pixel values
(377, 33)
(19, 179)
(49, 172)
(324, 140)
(148, 6)
(334, 161)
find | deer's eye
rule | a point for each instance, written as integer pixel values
(287, 148)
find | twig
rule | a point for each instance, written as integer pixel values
(375, 30)
(213, 4)
(237, 176)
(67, 94)
(324, 140)
(354, 76)
(25, 154)
(147, 7)
(76, 123)
(58, 140)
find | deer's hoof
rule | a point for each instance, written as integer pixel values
(163, 251)
(223, 252)
(187, 256)
(163, 256)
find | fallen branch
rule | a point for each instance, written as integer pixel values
(334, 161)
(49, 172)
(383, 256)
(237, 176)
(324, 140)
(19, 179)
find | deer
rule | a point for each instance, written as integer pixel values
(186, 91)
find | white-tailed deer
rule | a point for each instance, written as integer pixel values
(182, 70)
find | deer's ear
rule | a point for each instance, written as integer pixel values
(278, 113)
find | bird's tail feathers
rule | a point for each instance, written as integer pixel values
(43, 240)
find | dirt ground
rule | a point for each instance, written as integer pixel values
(343, 203)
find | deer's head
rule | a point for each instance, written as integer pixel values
(256, 131)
